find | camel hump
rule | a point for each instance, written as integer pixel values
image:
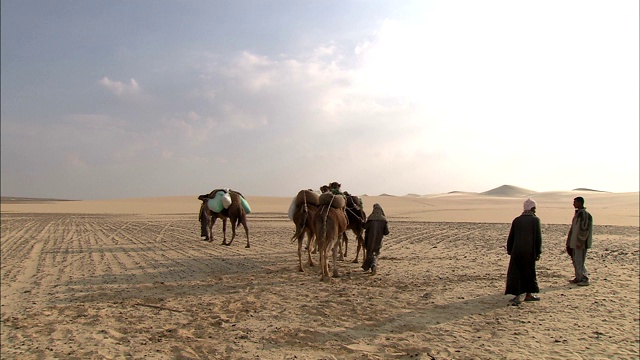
(307, 196)
(354, 202)
(236, 192)
(213, 193)
(221, 199)
(335, 201)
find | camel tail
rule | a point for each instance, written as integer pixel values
(297, 234)
(304, 223)
(322, 235)
(323, 229)
(242, 216)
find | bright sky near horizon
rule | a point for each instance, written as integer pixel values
(119, 99)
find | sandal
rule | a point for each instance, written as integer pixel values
(532, 298)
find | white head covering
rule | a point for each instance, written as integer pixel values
(529, 204)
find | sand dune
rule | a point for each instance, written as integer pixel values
(497, 207)
(510, 191)
(132, 279)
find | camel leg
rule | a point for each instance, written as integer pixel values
(233, 230)
(342, 239)
(300, 252)
(323, 271)
(364, 251)
(324, 262)
(346, 245)
(224, 232)
(243, 221)
(212, 222)
(360, 245)
(335, 256)
(310, 243)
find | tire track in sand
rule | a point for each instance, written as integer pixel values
(19, 282)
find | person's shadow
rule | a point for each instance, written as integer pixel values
(435, 314)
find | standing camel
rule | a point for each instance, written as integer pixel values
(329, 223)
(235, 212)
(306, 206)
(357, 218)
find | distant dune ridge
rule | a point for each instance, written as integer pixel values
(504, 190)
(509, 190)
(585, 189)
(498, 205)
(27, 200)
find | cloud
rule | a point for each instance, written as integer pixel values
(96, 122)
(325, 50)
(119, 88)
(320, 86)
(193, 128)
(75, 160)
(299, 102)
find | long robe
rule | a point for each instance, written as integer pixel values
(375, 230)
(524, 245)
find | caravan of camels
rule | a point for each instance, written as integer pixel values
(323, 216)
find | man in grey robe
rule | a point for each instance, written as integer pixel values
(579, 239)
(524, 245)
(376, 228)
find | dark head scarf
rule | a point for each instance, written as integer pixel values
(377, 213)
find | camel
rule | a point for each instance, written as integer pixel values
(357, 218)
(303, 219)
(329, 223)
(235, 212)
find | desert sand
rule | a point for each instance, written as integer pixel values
(132, 279)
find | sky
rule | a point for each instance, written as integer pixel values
(147, 98)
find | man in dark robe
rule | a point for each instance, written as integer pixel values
(525, 246)
(376, 228)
